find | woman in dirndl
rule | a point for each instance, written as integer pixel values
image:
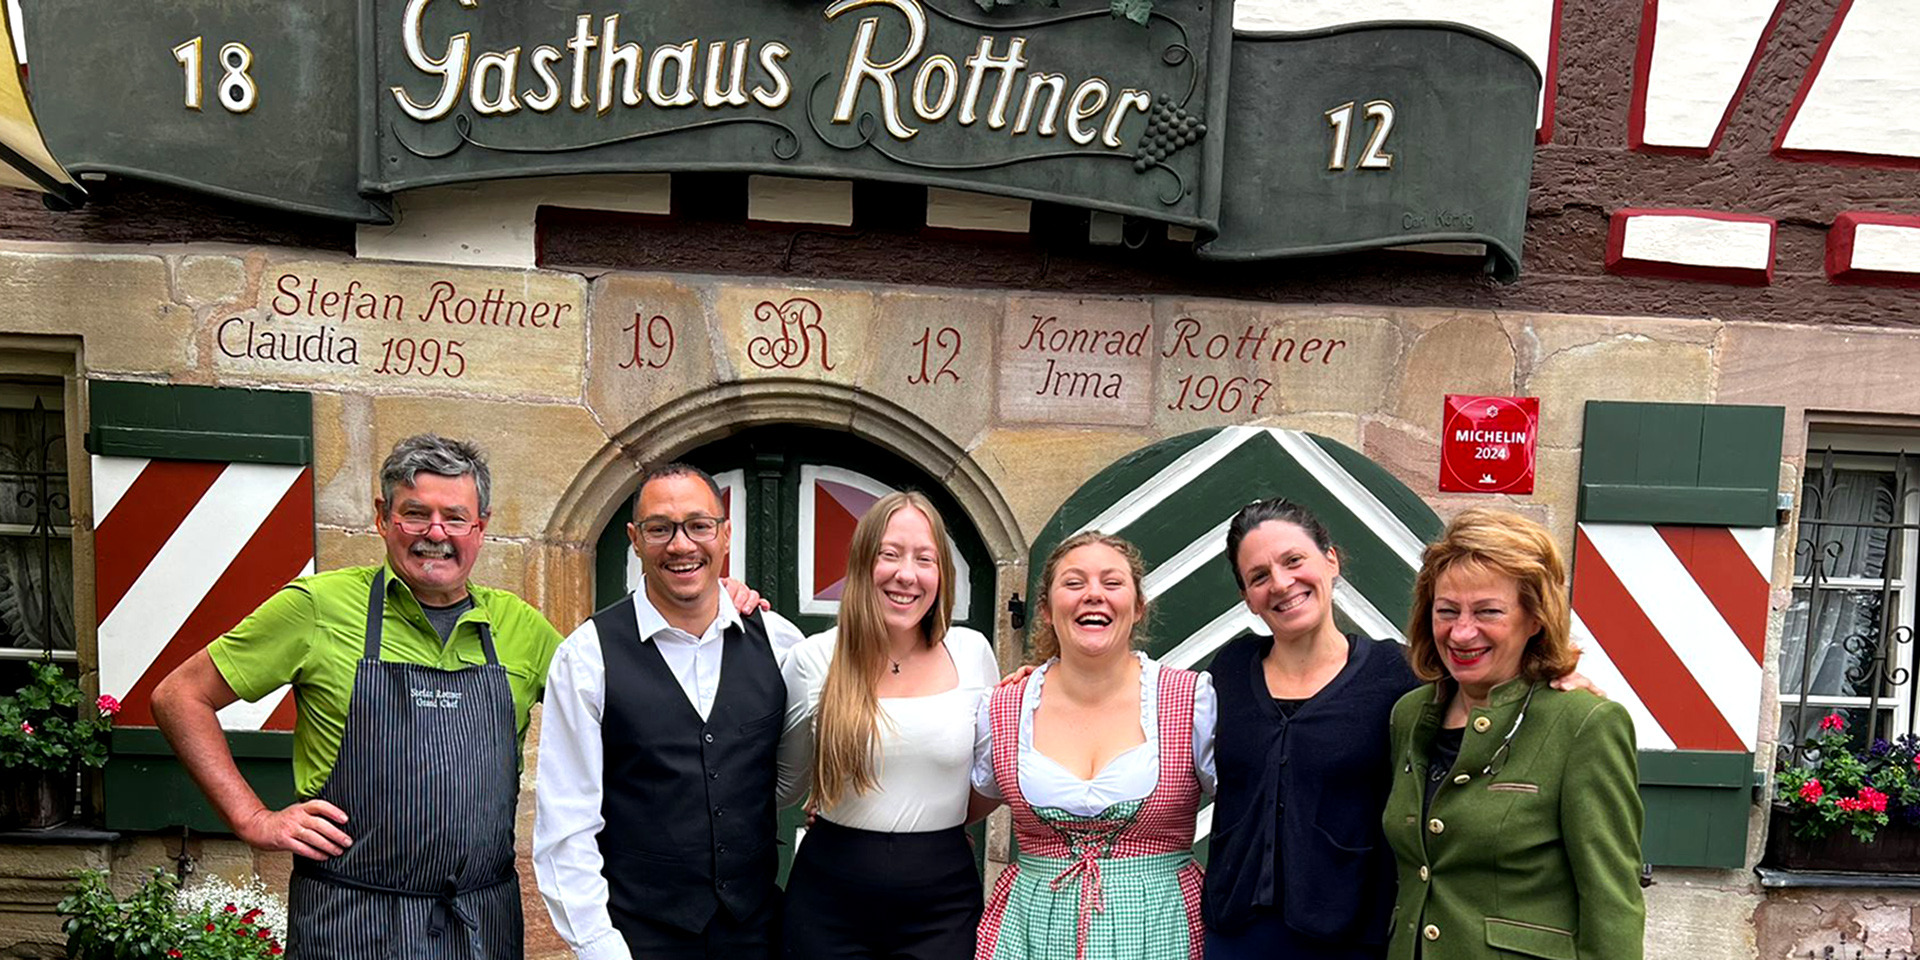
(1102, 754)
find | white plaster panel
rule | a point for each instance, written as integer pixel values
(799, 200)
(1701, 49)
(19, 34)
(1698, 241)
(963, 210)
(491, 224)
(1527, 24)
(1886, 246)
(1863, 99)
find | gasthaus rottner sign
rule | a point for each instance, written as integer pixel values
(1371, 135)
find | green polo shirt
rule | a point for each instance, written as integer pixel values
(312, 634)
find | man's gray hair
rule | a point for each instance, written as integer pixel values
(438, 455)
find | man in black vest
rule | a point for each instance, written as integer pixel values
(654, 829)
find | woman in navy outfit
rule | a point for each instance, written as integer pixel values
(1297, 867)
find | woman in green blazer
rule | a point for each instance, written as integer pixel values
(1515, 815)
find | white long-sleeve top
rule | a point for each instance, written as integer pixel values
(923, 749)
(567, 863)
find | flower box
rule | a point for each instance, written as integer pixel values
(33, 799)
(1894, 849)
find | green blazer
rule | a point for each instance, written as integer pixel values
(1540, 858)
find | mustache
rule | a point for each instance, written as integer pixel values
(431, 550)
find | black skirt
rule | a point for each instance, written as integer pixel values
(866, 895)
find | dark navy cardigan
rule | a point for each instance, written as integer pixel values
(1297, 813)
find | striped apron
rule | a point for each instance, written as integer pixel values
(427, 774)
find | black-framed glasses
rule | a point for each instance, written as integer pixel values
(415, 526)
(699, 529)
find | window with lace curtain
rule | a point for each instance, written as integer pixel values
(1848, 636)
(36, 528)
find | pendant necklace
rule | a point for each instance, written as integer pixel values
(896, 664)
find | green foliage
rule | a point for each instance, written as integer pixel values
(44, 725)
(1135, 10)
(1840, 787)
(101, 927)
(155, 923)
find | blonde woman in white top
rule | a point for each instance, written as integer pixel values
(880, 715)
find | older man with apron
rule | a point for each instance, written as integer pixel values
(414, 689)
(428, 775)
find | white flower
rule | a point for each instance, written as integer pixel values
(213, 892)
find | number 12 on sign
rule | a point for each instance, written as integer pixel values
(1375, 157)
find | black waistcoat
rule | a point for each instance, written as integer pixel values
(689, 804)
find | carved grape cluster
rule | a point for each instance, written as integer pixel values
(1169, 129)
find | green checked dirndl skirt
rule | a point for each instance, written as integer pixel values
(1119, 885)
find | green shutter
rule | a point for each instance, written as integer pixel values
(1697, 804)
(1692, 463)
(1696, 465)
(145, 787)
(177, 422)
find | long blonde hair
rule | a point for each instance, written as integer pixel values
(847, 721)
(1046, 642)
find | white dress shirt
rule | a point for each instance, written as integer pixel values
(924, 745)
(566, 852)
(1130, 776)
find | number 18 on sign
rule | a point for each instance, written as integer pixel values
(1487, 443)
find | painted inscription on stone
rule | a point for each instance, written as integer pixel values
(1213, 361)
(1072, 362)
(791, 336)
(1238, 364)
(656, 349)
(515, 334)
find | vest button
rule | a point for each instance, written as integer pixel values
(708, 737)
(1424, 874)
(1431, 932)
(722, 885)
(719, 810)
(1481, 724)
(1435, 826)
(713, 774)
(720, 848)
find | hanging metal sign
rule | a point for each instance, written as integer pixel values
(331, 106)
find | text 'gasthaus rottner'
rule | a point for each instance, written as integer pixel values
(594, 69)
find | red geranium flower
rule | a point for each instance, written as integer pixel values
(175, 953)
(1872, 799)
(1833, 721)
(1812, 791)
(264, 932)
(107, 705)
(230, 908)
(26, 728)
(209, 928)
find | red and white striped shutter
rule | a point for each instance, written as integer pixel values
(190, 539)
(1673, 623)
(1672, 562)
